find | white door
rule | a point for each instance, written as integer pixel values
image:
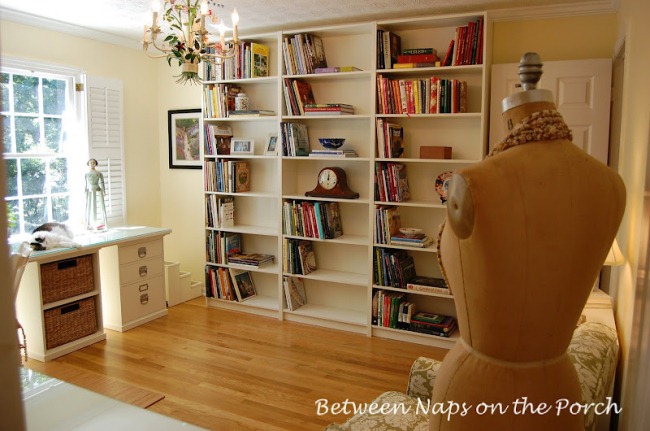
(582, 92)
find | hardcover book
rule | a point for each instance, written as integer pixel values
(243, 284)
(242, 176)
(294, 291)
(307, 257)
(260, 60)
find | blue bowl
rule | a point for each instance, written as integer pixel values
(331, 143)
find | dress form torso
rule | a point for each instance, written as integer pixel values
(527, 232)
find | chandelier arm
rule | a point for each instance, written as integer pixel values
(154, 55)
(160, 48)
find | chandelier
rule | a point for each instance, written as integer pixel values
(186, 39)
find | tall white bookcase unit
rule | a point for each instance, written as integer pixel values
(337, 290)
(256, 211)
(464, 132)
(340, 291)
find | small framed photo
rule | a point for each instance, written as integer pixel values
(271, 145)
(185, 129)
(243, 284)
(242, 146)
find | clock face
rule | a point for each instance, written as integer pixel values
(327, 179)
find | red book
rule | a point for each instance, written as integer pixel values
(449, 54)
(418, 58)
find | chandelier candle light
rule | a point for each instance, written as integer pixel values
(188, 40)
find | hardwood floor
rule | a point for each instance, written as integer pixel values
(225, 370)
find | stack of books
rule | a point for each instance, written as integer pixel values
(328, 109)
(428, 284)
(333, 153)
(434, 324)
(419, 240)
(251, 259)
(417, 57)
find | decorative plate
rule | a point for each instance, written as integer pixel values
(409, 231)
(442, 185)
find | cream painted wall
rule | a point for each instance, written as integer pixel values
(574, 38)
(181, 189)
(139, 77)
(635, 135)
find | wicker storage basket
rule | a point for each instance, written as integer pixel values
(70, 322)
(67, 278)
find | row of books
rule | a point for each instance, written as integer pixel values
(295, 139)
(387, 223)
(251, 60)
(217, 139)
(392, 310)
(219, 245)
(311, 219)
(294, 292)
(467, 46)
(392, 267)
(219, 99)
(229, 284)
(390, 139)
(297, 94)
(396, 268)
(431, 95)
(299, 256)
(391, 182)
(303, 53)
(227, 176)
(219, 211)
(389, 47)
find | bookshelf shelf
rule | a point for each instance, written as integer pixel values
(340, 277)
(340, 290)
(351, 317)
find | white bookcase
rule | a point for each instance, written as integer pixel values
(339, 293)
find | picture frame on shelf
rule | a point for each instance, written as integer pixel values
(271, 145)
(242, 146)
(243, 284)
(185, 132)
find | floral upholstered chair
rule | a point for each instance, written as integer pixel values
(593, 351)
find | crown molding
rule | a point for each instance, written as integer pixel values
(75, 30)
(596, 7)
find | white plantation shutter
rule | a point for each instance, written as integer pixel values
(106, 142)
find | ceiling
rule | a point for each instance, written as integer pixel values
(122, 21)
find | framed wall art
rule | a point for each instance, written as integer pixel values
(185, 129)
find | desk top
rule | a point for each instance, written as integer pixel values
(92, 241)
(52, 404)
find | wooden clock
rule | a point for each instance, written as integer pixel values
(332, 183)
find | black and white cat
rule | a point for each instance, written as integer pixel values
(52, 235)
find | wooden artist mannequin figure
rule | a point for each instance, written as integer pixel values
(526, 234)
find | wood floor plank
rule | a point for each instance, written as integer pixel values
(225, 370)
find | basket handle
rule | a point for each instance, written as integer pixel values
(64, 264)
(70, 308)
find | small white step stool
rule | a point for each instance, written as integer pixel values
(179, 286)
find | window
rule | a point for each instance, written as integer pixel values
(45, 144)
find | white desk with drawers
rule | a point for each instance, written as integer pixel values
(68, 296)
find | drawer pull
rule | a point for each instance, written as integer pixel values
(143, 287)
(142, 252)
(143, 271)
(144, 298)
